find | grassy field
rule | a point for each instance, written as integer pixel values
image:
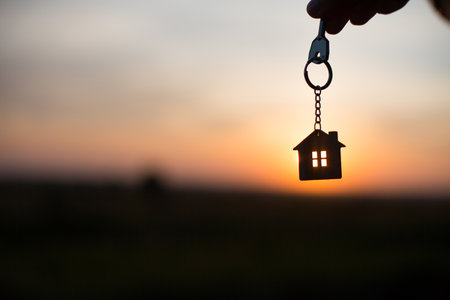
(110, 242)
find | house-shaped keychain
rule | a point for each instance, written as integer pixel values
(320, 156)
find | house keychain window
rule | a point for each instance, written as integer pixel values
(322, 159)
(319, 153)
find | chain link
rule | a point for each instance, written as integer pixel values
(317, 124)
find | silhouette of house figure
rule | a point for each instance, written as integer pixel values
(320, 156)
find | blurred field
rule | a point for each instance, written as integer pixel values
(78, 241)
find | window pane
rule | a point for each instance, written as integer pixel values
(323, 163)
(323, 154)
(314, 154)
(315, 163)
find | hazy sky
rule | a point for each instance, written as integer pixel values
(212, 92)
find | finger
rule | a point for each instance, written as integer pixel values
(334, 25)
(362, 13)
(389, 6)
(313, 9)
(324, 8)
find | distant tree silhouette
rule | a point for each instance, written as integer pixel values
(153, 184)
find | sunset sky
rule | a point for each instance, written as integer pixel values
(211, 93)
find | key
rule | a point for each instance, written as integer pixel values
(320, 47)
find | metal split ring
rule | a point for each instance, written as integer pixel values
(330, 74)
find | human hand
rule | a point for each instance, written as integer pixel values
(336, 13)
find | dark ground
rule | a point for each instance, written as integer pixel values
(70, 241)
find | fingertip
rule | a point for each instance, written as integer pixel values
(387, 7)
(335, 25)
(363, 13)
(361, 19)
(313, 9)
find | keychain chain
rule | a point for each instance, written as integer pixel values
(318, 54)
(317, 124)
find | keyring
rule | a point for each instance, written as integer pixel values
(330, 74)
